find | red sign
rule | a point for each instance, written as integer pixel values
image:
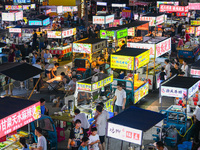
(184, 14)
(115, 23)
(194, 6)
(195, 72)
(48, 11)
(126, 13)
(19, 119)
(170, 8)
(163, 47)
(61, 52)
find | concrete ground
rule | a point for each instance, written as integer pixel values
(150, 102)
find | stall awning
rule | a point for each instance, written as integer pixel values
(179, 86)
(19, 71)
(89, 41)
(42, 17)
(115, 28)
(138, 118)
(131, 52)
(28, 27)
(135, 24)
(16, 113)
(152, 15)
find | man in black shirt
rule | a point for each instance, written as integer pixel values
(34, 40)
(176, 70)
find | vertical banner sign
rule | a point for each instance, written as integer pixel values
(131, 31)
(163, 47)
(142, 59)
(126, 13)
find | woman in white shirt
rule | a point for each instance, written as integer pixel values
(185, 68)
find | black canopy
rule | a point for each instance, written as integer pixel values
(19, 71)
(196, 65)
(138, 118)
(152, 15)
(11, 105)
(90, 41)
(130, 52)
(181, 82)
(2, 44)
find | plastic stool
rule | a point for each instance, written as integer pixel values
(59, 137)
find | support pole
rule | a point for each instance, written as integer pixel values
(34, 87)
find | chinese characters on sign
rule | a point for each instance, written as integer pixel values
(194, 6)
(124, 133)
(109, 19)
(82, 48)
(19, 15)
(131, 31)
(15, 30)
(163, 47)
(195, 72)
(169, 8)
(141, 92)
(35, 22)
(195, 22)
(84, 86)
(98, 19)
(150, 19)
(46, 22)
(176, 3)
(122, 62)
(173, 92)
(19, 119)
(8, 16)
(193, 89)
(142, 59)
(126, 14)
(48, 11)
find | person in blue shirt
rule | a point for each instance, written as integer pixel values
(22, 141)
(84, 144)
(35, 57)
(18, 54)
(44, 110)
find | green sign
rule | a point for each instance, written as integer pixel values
(122, 33)
(103, 34)
(110, 33)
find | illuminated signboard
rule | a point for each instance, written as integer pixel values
(13, 7)
(82, 48)
(21, 1)
(122, 33)
(101, 4)
(122, 62)
(19, 16)
(32, 6)
(124, 133)
(68, 33)
(48, 11)
(19, 119)
(169, 8)
(46, 22)
(59, 9)
(98, 20)
(35, 22)
(195, 22)
(54, 34)
(131, 31)
(118, 5)
(15, 30)
(195, 72)
(176, 3)
(8, 16)
(142, 59)
(26, 7)
(194, 6)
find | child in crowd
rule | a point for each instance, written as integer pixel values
(84, 144)
(94, 141)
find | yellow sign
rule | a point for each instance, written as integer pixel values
(108, 80)
(141, 92)
(122, 62)
(142, 59)
(102, 83)
(84, 86)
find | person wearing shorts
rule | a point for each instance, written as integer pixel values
(119, 100)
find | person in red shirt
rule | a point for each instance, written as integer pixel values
(187, 37)
(181, 42)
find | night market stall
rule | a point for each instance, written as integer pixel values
(59, 45)
(15, 116)
(158, 47)
(131, 59)
(91, 87)
(130, 126)
(103, 19)
(154, 19)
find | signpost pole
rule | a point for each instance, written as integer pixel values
(122, 145)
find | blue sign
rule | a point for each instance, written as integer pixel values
(35, 22)
(46, 22)
(22, 1)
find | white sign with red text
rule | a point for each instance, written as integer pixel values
(8, 16)
(173, 92)
(163, 47)
(151, 47)
(48, 11)
(170, 8)
(110, 19)
(67, 9)
(150, 19)
(59, 9)
(160, 19)
(194, 6)
(54, 34)
(98, 20)
(15, 30)
(19, 16)
(67, 33)
(132, 2)
(124, 133)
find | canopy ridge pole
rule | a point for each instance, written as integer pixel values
(34, 87)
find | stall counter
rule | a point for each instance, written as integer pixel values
(190, 52)
(61, 50)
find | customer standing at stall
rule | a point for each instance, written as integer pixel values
(42, 142)
(34, 43)
(196, 116)
(47, 56)
(18, 54)
(167, 68)
(11, 55)
(101, 125)
(82, 117)
(176, 70)
(185, 68)
(41, 39)
(119, 101)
